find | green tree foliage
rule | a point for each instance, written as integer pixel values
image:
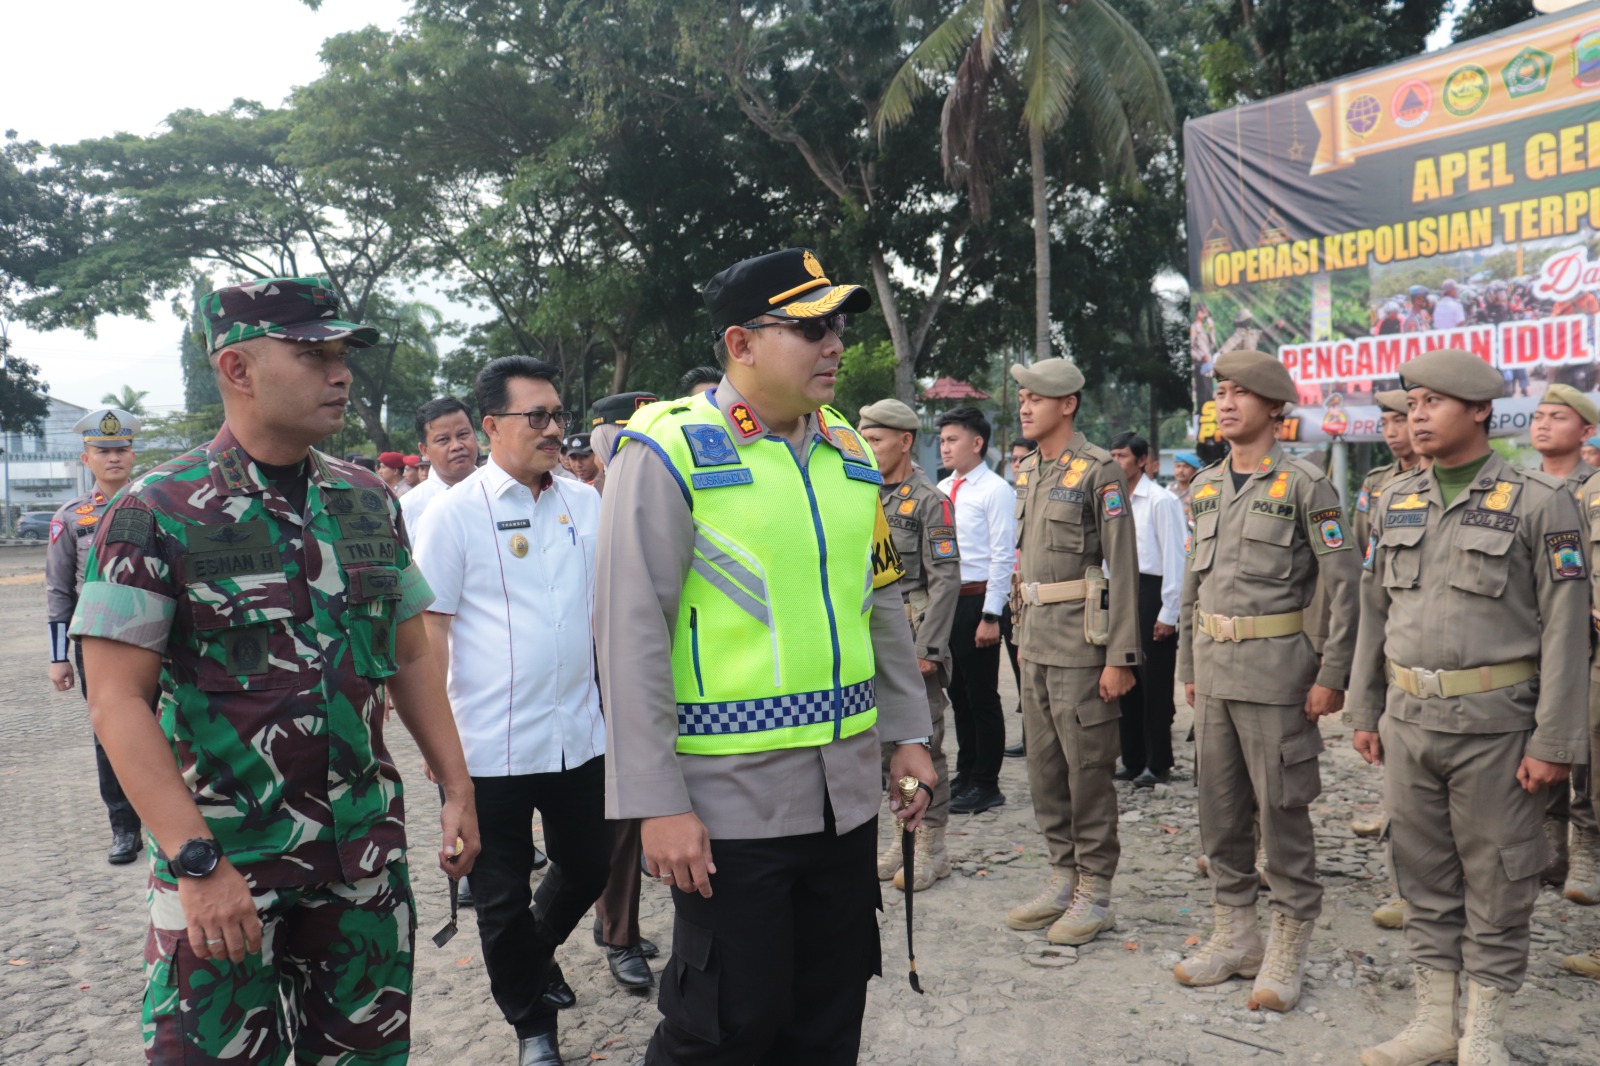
(1478, 17)
(129, 399)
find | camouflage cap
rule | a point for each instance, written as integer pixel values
(1567, 396)
(291, 309)
(1392, 401)
(1454, 372)
(1258, 372)
(890, 414)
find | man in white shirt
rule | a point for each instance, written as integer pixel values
(510, 554)
(449, 443)
(1147, 709)
(1448, 312)
(986, 529)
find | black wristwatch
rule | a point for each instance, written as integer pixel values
(987, 617)
(197, 858)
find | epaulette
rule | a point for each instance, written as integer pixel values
(1097, 453)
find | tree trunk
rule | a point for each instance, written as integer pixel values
(1041, 247)
(1155, 425)
(619, 372)
(905, 369)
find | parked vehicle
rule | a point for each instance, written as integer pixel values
(34, 525)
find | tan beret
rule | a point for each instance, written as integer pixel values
(1454, 372)
(1567, 396)
(891, 414)
(1258, 372)
(1049, 377)
(1392, 401)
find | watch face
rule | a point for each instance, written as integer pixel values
(198, 858)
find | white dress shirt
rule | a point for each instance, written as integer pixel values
(521, 678)
(413, 503)
(1160, 527)
(986, 530)
(1448, 313)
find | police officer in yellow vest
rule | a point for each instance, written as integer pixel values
(753, 651)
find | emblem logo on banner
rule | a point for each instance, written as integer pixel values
(1412, 104)
(1465, 90)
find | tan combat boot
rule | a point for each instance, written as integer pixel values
(1235, 949)
(1090, 915)
(1391, 913)
(1369, 825)
(889, 859)
(1047, 906)
(1483, 1038)
(1203, 866)
(933, 861)
(1555, 835)
(1583, 868)
(1431, 1036)
(1278, 984)
(1587, 965)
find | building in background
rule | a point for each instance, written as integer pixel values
(41, 471)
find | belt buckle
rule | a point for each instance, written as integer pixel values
(1429, 686)
(1030, 594)
(1225, 629)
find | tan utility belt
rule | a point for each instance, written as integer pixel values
(1037, 594)
(1443, 684)
(1220, 628)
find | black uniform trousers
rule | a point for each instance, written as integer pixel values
(772, 970)
(519, 942)
(975, 698)
(1147, 709)
(123, 816)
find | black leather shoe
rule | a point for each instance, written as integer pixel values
(540, 859)
(559, 994)
(464, 896)
(1018, 750)
(1150, 780)
(647, 948)
(124, 847)
(629, 968)
(540, 1050)
(976, 800)
(1125, 774)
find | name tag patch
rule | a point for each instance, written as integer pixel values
(1392, 519)
(1204, 505)
(515, 523)
(862, 473)
(209, 566)
(361, 552)
(719, 479)
(1273, 509)
(1066, 495)
(910, 525)
(1506, 523)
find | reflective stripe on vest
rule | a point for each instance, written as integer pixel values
(772, 647)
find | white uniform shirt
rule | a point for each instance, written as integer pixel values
(521, 676)
(1448, 313)
(413, 503)
(986, 529)
(1159, 525)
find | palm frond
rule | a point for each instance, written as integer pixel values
(1130, 64)
(938, 54)
(963, 125)
(1045, 54)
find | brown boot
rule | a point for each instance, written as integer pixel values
(1234, 950)
(1483, 1037)
(1090, 915)
(1583, 868)
(889, 859)
(1048, 905)
(1434, 1033)
(1391, 914)
(1587, 965)
(933, 861)
(1278, 984)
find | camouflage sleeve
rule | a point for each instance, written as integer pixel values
(128, 592)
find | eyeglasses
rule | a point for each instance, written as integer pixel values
(812, 329)
(538, 421)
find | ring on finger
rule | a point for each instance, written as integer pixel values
(219, 940)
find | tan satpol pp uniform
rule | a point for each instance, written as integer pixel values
(1256, 557)
(1470, 656)
(1589, 513)
(1073, 514)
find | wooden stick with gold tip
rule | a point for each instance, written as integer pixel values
(908, 856)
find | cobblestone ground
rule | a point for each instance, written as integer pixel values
(71, 928)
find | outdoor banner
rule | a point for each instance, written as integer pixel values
(1449, 201)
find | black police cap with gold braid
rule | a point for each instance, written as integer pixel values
(786, 284)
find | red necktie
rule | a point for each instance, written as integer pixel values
(955, 487)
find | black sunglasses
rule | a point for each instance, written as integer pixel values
(812, 329)
(538, 420)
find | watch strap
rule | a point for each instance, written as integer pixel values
(59, 642)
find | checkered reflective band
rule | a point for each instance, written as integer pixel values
(778, 712)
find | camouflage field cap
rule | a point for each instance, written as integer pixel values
(291, 309)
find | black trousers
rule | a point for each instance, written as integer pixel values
(519, 942)
(121, 812)
(772, 970)
(975, 698)
(1147, 709)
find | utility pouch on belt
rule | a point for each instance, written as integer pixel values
(1096, 607)
(1014, 601)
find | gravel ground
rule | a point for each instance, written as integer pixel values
(71, 929)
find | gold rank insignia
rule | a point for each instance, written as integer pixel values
(1022, 480)
(1501, 497)
(1412, 502)
(904, 492)
(1074, 474)
(519, 545)
(1264, 465)
(1280, 486)
(1206, 491)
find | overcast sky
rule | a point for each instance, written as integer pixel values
(91, 68)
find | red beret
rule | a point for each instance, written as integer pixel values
(392, 460)
(411, 460)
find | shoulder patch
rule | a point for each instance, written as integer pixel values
(942, 542)
(57, 527)
(1329, 526)
(131, 525)
(1364, 500)
(1111, 501)
(1566, 556)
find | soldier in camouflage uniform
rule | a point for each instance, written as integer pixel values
(108, 453)
(267, 590)
(922, 526)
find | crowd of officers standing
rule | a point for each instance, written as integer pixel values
(257, 580)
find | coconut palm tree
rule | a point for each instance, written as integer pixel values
(1078, 59)
(129, 399)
